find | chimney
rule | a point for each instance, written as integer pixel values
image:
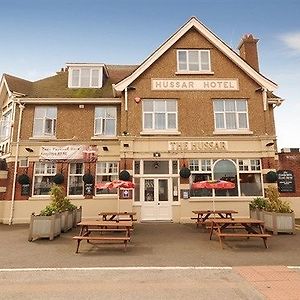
(248, 50)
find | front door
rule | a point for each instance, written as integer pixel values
(156, 204)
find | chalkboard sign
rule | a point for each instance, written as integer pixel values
(25, 189)
(88, 189)
(286, 181)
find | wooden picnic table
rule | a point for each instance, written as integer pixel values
(203, 215)
(114, 216)
(106, 231)
(253, 228)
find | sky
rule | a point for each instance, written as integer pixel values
(39, 37)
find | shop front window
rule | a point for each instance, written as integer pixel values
(106, 172)
(75, 179)
(43, 178)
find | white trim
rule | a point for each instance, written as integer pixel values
(194, 73)
(88, 65)
(193, 22)
(230, 131)
(160, 132)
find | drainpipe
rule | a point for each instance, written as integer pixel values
(126, 99)
(12, 207)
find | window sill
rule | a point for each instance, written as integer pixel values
(137, 204)
(43, 138)
(157, 132)
(76, 197)
(230, 132)
(104, 137)
(104, 196)
(194, 72)
(39, 197)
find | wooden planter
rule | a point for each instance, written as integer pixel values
(77, 214)
(44, 227)
(279, 222)
(256, 214)
(66, 220)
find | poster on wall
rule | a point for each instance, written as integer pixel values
(25, 189)
(88, 189)
(286, 181)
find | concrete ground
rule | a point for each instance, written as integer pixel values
(163, 261)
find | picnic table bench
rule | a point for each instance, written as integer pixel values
(254, 228)
(204, 215)
(106, 232)
(113, 216)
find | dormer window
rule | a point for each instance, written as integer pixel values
(86, 75)
(193, 61)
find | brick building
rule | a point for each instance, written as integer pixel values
(193, 107)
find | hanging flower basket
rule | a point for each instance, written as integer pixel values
(88, 178)
(271, 177)
(124, 175)
(58, 178)
(185, 172)
(23, 179)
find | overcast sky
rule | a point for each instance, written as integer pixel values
(39, 36)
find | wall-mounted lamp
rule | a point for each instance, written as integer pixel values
(105, 148)
(156, 154)
(29, 149)
(126, 145)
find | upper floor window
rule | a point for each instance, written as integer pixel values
(159, 115)
(193, 61)
(44, 124)
(231, 114)
(86, 75)
(105, 120)
(5, 126)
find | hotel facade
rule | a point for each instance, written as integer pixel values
(193, 110)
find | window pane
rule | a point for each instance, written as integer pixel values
(148, 105)
(172, 121)
(160, 121)
(38, 127)
(242, 120)
(182, 56)
(95, 77)
(99, 112)
(98, 126)
(110, 112)
(160, 106)
(51, 112)
(230, 121)
(110, 128)
(171, 105)
(241, 105)
(250, 184)
(218, 105)
(148, 123)
(204, 60)
(75, 78)
(201, 192)
(85, 77)
(39, 112)
(229, 105)
(48, 126)
(156, 167)
(220, 120)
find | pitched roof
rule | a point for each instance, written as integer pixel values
(57, 86)
(209, 35)
(17, 84)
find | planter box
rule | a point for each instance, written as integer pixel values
(77, 215)
(44, 227)
(279, 222)
(66, 220)
(256, 214)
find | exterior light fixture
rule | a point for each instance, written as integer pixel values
(156, 154)
(29, 149)
(105, 148)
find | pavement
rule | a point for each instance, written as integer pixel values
(163, 261)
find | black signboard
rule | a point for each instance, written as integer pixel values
(88, 189)
(286, 181)
(25, 189)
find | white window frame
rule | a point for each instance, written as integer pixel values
(187, 70)
(106, 166)
(5, 125)
(23, 162)
(44, 120)
(91, 70)
(75, 175)
(102, 121)
(223, 112)
(153, 112)
(45, 168)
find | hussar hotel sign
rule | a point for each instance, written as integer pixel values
(197, 146)
(195, 84)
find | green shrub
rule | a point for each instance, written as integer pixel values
(258, 202)
(274, 203)
(49, 210)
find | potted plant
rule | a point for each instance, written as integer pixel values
(256, 207)
(278, 215)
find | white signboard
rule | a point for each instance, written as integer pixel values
(197, 146)
(195, 84)
(71, 152)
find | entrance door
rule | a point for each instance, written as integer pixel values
(156, 204)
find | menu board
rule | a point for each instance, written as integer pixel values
(286, 181)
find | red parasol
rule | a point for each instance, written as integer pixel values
(213, 184)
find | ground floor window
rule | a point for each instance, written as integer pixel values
(106, 172)
(244, 173)
(43, 178)
(75, 186)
